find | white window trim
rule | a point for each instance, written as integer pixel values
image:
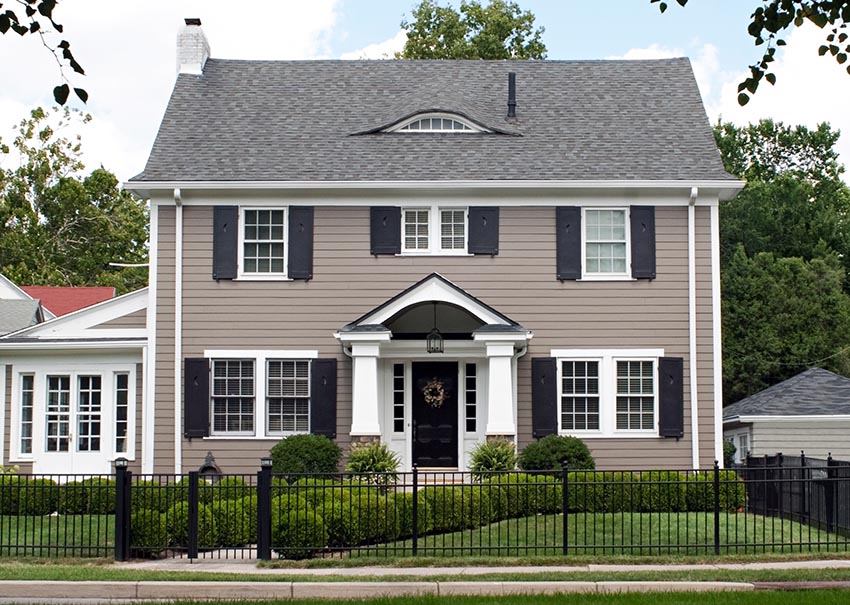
(474, 129)
(107, 372)
(735, 436)
(241, 274)
(243, 434)
(608, 359)
(627, 275)
(260, 359)
(464, 403)
(434, 236)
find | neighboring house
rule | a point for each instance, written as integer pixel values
(18, 309)
(71, 387)
(431, 254)
(808, 412)
(61, 300)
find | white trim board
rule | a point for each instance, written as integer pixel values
(786, 418)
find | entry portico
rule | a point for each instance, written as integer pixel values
(432, 405)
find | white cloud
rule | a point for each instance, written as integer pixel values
(809, 90)
(380, 50)
(129, 56)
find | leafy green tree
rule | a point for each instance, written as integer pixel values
(36, 19)
(771, 18)
(500, 30)
(59, 226)
(781, 315)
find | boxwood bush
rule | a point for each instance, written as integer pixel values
(93, 496)
(235, 521)
(548, 453)
(177, 525)
(226, 488)
(700, 492)
(148, 534)
(459, 507)
(297, 531)
(298, 454)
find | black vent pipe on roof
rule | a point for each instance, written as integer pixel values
(511, 94)
(192, 21)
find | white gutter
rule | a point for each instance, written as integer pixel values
(178, 332)
(692, 326)
(733, 186)
(67, 345)
(716, 341)
(149, 399)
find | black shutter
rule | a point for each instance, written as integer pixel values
(544, 400)
(671, 397)
(225, 241)
(300, 242)
(484, 230)
(385, 224)
(643, 242)
(568, 240)
(323, 397)
(196, 397)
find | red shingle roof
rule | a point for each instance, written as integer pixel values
(61, 300)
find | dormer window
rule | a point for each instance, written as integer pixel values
(436, 122)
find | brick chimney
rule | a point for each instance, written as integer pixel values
(193, 50)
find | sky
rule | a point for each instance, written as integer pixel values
(127, 48)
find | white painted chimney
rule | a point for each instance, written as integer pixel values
(193, 50)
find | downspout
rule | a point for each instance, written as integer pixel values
(178, 332)
(717, 345)
(692, 326)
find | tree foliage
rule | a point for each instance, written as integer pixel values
(769, 21)
(785, 255)
(500, 30)
(59, 226)
(780, 316)
(36, 19)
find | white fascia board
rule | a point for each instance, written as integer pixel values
(824, 417)
(495, 337)
(724, 189)
(67, 345)
(363, 336)
(83, 319)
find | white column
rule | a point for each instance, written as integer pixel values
(500, 389)
(364, 396)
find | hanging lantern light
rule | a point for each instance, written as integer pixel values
(434, 341)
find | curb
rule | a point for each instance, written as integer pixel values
(205, 591)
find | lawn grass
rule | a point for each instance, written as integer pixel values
(624, 534)
(57, 535)
(814, 597)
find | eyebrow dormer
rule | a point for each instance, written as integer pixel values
(436, 122)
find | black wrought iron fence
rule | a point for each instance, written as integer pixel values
(428, 513)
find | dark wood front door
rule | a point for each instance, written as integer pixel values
(435, 441)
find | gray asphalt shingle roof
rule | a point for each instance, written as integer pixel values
(18, 314)
(811, 393)
(311, 121)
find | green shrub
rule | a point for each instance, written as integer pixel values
(226, 488)
(100, 495)
(520, 495)
(341, 518)
(660, 491)
(586, 492)
(373, 463)
(177, 525)
(35, 496)
(298, 454)
(153, 495)
(73, 499)
(235, 521)
(148, 534)
(9, 491)
(729, 451)
(492, 456)
(700, 491)
(313, 489)
(404, 513)
(456, 508)
(378, 521)
(297, 532)
(548, 453)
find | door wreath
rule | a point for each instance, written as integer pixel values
(434, 393)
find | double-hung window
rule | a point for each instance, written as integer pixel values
(434, 230)
(606, 242)
(263, 246)
(607, 393)
(233, 396)
(288, 396)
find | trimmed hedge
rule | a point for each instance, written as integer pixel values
(148, 534)
(177, 525)
(24, 495)
(297, 531)
(548, 453)
(95, 496)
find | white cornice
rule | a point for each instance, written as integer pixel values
(66, 345)
(723, 188)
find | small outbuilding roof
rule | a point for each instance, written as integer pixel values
(62, 300)
(815, 392)
(18, 314)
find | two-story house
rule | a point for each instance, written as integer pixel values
(431, 254)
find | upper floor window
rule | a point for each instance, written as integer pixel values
(263, 242)
(434, 230)
(605, 242)
(436, 122)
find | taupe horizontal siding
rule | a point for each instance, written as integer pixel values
(817, 438)
(136, 319)
(519, 282)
